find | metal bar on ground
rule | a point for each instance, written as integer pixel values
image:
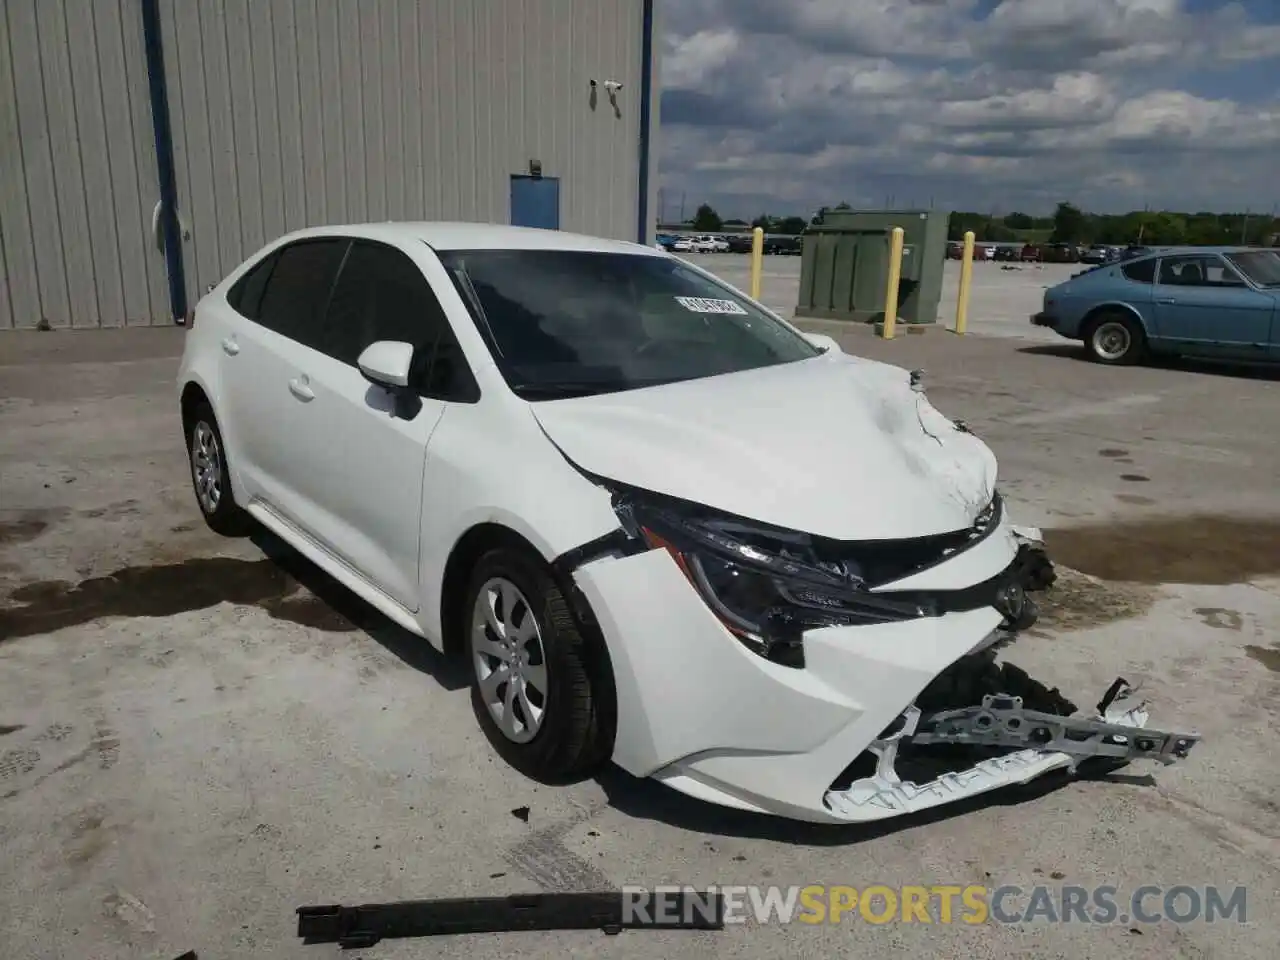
(365, 925)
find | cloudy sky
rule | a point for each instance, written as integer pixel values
(784, 105)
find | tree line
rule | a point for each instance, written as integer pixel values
(1070, 224)
(1067, 224)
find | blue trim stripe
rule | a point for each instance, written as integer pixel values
(646, 115)
(164, 158)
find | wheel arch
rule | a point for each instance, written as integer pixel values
(478, 540)
(1095, 315)
(193, 395)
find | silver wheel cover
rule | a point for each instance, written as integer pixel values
(509, 659)
(206, 467)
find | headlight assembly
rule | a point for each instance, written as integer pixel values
(766, 586)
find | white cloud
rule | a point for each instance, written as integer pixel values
(817, 100)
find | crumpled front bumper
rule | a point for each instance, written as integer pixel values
(701, 713)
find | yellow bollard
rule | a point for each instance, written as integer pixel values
(891, 288)
(966, 274)
(757, 261)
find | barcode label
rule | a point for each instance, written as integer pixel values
(705, 305)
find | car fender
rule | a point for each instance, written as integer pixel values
(200, 367)
(1114, 306)
(496, 466)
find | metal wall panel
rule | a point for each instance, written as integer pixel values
(77, 168)
(290, 113)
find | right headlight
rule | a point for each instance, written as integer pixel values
(766, 586)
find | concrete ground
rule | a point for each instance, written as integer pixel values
(199, 735)
(1002, 296)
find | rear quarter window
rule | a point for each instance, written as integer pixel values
(245, 295)
(1143, 271)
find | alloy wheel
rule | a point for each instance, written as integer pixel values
(1112, 340)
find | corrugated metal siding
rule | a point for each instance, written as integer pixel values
(290, 113)
(77, 168)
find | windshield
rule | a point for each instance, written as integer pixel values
(1260, 266)
(567, 323)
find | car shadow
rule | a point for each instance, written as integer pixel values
(646, 799)
(1223, 368)
(412, 650)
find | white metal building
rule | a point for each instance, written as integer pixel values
(148, 146)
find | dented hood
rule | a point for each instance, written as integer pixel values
(835, 446)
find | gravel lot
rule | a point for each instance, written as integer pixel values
(199, 735)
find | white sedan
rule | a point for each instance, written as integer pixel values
(662, 526)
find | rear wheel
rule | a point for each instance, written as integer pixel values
(1116, 339)
(211, 477)
(539, 690)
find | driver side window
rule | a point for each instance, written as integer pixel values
(382, 295)
(1198, 271)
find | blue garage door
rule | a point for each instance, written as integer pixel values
(535, 202)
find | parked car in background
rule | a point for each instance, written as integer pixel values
(1031, 253)
(710, 244)
(683, 245)
(667, 241)
(1098, 253)
(955, 250)
(740, 242)
(783, 244)
(1132, 251)
(1061, 253)
(606, 485)
(1212, 302)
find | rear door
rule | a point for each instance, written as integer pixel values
(268, 353)
(363, 467)
(1203, 306)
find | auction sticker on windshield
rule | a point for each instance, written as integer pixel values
(705, 305)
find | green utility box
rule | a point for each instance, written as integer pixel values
(845, 265)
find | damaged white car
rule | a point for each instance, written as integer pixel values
(661, 526)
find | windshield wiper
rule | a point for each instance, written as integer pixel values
(564, 388)
(553, 389)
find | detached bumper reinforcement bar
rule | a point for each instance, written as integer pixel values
(1001, 721)
(365, 925)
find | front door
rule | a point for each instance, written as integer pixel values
(535, 202)
(366, 470)
(1203, 306)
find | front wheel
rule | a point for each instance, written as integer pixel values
(539, 689)
(1116, 339)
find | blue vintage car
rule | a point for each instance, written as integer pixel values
(1215, 302)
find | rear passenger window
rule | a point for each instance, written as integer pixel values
(382, 295)
(1144, 271)
(245, 296)
(296, 292)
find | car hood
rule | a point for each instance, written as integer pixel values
(835, 446)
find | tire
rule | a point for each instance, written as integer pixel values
(568, 735)
(211, 477)
(1116, 339)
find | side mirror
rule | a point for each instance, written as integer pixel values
(823, 342)
(387, 363)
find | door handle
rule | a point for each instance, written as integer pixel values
(1166, 300)
(229, 346)
(298, 387)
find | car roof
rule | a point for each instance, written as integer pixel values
(446, 235)
(1178, 251)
